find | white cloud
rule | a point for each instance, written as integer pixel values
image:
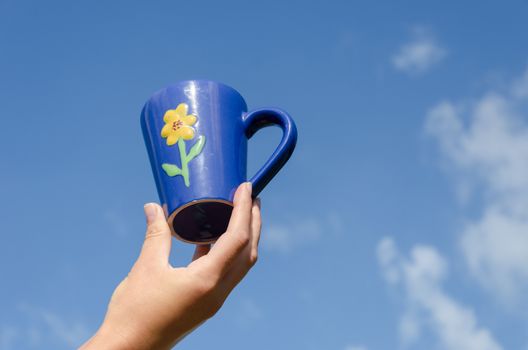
(355, 347)
(116, 220)
(42, 329)
(8, 335)
(486, 146)
(70, 333)
(419, 55)
(345, 44)
(387, 255)
(520, 87)
(283, 237)
(428, 305)
(248, 312)
(409, 328)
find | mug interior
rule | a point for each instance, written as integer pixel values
(201, 221)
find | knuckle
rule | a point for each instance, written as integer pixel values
(242, 238)
(204, 283)
(259, 223)
(155, 230)
(215, 307)
(253, 257)
(206, 286)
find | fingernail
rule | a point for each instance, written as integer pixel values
(249, 187)
(151, 211)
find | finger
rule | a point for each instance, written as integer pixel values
(237, 236)
(248, 258)
(256, 225)
(157, 244)
(201, 250)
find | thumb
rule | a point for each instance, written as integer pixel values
(157, 245)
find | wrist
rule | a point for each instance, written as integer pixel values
(112, 338)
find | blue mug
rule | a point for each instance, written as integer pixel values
(196, 134)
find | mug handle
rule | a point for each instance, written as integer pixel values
(258, 119)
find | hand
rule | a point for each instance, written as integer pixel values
(156, 305)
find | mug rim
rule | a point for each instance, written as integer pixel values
(170, 218)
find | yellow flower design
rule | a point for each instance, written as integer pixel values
(178, 124)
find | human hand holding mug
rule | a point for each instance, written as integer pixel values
(156, 305)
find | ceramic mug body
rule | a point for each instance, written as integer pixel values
(196, 133)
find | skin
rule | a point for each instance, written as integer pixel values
(157, 304)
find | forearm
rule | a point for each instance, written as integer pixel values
(111, 338)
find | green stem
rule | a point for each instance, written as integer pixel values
(184, 162)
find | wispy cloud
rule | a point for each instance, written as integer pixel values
(485, 145)
(420, 54)
(42, 329)
(116, 221)
(8, 336)
(355, 347)
(520, 86)
(421, 278)
(283, 237)
(248, 312)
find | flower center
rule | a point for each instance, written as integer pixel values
(176, 125)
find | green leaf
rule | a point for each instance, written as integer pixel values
(196, 148)
(171, 169)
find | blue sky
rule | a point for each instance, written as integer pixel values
(401, 221)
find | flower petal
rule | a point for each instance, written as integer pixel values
(169, 116)
(181, 110)
(166, 130)
(189, 119)
(186, 133)
(172, 139)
